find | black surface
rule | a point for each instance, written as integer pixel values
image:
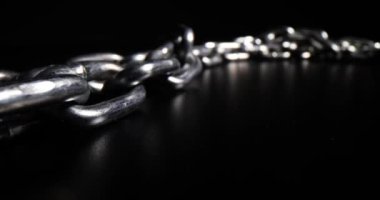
(240, 130)
(236, 130)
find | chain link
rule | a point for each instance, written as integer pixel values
(63, 91)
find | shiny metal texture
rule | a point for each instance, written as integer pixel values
(65, 89)
(26, 95)
(102, 70)
(163, 52)
(190, 69)
(62, 70)
(106, 111)
(191, 65)
(136, 74)
(6, 76)
(184, 43)
(76, 69)
(108, 57)
(136, 58)
(96, 86)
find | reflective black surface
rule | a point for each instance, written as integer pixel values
(240, 129)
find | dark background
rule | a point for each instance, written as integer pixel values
(240, 130)
(42, 33)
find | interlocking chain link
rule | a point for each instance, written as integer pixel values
(63, 91)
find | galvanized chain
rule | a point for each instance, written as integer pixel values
(63, 91)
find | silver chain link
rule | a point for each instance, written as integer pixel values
(64, 90)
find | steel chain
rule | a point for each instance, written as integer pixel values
(63, 90)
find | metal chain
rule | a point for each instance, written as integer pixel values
(63, 91)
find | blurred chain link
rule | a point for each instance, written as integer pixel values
(63, 91)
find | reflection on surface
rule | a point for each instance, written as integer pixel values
(98, 150)
(230, 124)
(288, 84)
